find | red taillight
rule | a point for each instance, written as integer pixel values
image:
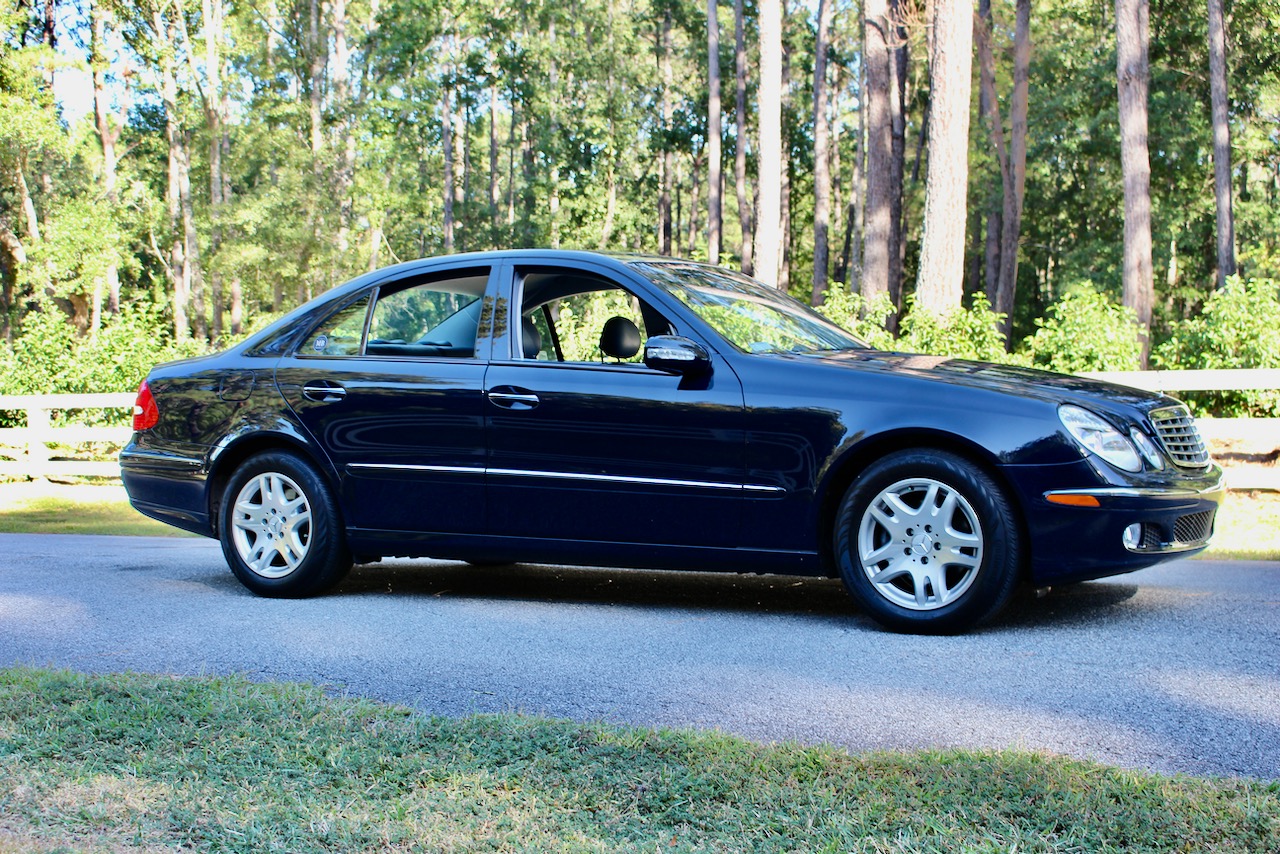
(145, 414)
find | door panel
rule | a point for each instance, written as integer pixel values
(407, 438)
(615, 453)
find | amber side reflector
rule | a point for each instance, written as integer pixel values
(1073, 500)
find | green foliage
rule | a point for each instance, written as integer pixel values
(47, 357)
(1085, 331)
(863, 317)
(964, 333)
(1239, 328)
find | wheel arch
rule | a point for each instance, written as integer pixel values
(854, 460)
(234, 453)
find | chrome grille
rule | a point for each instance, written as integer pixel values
(1176, 430)
(1193, 528)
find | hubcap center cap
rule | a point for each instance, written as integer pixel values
(922, 544)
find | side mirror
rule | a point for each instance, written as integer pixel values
(674, 354)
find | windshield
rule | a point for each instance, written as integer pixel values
(750, 316)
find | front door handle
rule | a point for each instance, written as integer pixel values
(323, 391)
(511, 397)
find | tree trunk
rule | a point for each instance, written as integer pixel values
(744, 194)
(493, 156)
(179, 265)
(664, 197)
(714, 177)
(940, 287)
(1011, 216)
(446, 137)
(344, 173)
(877, 236)
(1226, 229)
(1132, 77)
(898, 67)
(821, 155)
(108, 128)
(768, 256)
(315, 73)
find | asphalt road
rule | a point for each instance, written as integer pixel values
(1175, 669)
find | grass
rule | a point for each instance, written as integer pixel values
(134, 763)
(1248, 523)
(41, 507)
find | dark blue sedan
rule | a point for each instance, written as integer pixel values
(577, 408)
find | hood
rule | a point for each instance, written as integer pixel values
(1006, 379)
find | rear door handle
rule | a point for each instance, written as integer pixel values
(511, 397)
(323, 391)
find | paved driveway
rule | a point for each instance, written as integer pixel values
(1175, 668)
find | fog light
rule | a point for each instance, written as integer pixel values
(1133, 537)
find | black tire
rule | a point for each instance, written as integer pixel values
(296, 547)
(927, 542)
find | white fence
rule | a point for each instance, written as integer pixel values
(31, 443)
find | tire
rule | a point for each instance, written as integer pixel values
(280, 529)
(927, 542)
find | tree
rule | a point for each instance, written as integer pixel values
(769, 234)
(745, 220)
(821, 154)
(878, 231)
(1132, 75)
(940, 284)
(1004, 229)
(715, 177)
(1226, 230)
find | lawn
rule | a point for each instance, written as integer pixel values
(130, 762)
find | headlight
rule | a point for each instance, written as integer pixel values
(1100, 438)
(1147, 448)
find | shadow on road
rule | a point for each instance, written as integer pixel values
(766, 594)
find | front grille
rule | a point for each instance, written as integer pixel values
(1177, 432)
(1193, 528)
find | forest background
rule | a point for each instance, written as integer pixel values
(938, 177)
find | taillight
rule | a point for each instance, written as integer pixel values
(145, 414)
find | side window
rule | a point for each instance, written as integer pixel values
(339, 334)
(431, 319)
(571, 312)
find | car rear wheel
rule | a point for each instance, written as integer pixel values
(280, 528)
(926, 541)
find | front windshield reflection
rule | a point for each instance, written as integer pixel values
(750, 316)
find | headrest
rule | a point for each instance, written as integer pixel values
(620, 338)
(532, 339)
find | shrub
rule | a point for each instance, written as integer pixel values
(1084, 331)
(966, 333)
(47, 357)
(1238, 328)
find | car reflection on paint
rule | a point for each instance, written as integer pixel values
(581, 408)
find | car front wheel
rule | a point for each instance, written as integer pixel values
(926, 541)
(280, 528)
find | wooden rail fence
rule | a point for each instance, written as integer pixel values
(31, 443)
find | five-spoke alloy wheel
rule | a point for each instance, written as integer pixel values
(927, 541)
(280, 529)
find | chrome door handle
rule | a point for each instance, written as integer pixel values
(514, 399)
(324, 392)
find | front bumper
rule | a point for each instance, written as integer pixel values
(1083, 532)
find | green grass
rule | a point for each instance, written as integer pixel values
(50, 508)
(152, 762)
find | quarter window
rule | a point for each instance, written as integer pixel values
(340, 334)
